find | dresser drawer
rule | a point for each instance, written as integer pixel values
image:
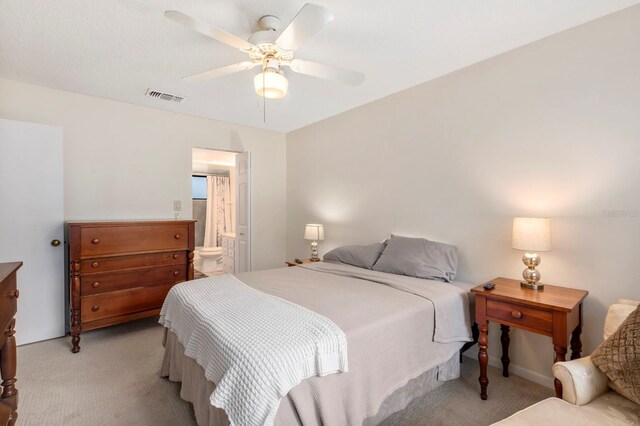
(91, 266)
(104, 241)
(139, 277)
(515, 314)
(107, 305)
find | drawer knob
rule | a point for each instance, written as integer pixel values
(175, 273)
(95, 285)
(516, 314)
(95, 308)
(177, 236)
(95, 241)
(14, 294)
(94, 264)
(175, 255)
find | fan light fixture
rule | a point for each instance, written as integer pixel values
(272, 48)
(271, 84)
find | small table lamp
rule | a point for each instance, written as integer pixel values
(314, 232)
(533, 235)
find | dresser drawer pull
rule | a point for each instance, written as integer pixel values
(95, 284)
(516, 314)
(176, 273)
(94, 264)
(177, 236)
(14, 294)
(95, 308)
(175, 255)
(95, 241)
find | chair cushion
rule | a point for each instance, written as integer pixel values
(609, 409)
(616, 314)
(619, 357)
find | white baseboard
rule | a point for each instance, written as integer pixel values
(518, 370)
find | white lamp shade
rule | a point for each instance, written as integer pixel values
(531, 234)
(314, 232)
(271, 84)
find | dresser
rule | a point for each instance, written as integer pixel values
(122, 270)
(9, 294)
(228, 252)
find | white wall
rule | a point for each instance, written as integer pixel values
(550, 129)
(130, 162)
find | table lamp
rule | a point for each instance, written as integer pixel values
(532, 234)
(315, 233)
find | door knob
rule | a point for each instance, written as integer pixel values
(55, 243)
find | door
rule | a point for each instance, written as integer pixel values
(31, 222)
(242, 259)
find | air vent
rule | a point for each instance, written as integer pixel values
(164, 96)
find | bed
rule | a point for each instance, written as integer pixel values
(390, 329)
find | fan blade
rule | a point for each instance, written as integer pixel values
(327, 72)
(206, 29)
(219, 72)
(309, 20)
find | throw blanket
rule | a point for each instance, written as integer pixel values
(254, 346)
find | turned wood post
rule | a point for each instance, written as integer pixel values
(504, 338)
(75, 306)
(8, 370)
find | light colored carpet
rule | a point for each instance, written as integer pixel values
(114, 380)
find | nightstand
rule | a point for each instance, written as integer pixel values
(553, 311)
(293, 262)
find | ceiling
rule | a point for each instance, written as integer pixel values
(118, 49)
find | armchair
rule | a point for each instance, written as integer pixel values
(586, 396)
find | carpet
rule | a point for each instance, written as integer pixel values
(114, 380)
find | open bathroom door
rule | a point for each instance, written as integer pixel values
(242, 259)
(31, 224)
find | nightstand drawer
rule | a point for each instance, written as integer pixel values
(515, 314)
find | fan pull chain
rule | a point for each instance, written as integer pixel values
(264, 101)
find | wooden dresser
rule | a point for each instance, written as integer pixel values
(9, 294)
(121, 271)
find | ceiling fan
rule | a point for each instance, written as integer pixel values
(272, 50)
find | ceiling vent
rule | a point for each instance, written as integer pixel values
(164, 96)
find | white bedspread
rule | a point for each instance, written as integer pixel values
(254, 346)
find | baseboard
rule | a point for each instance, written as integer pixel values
(518, 370)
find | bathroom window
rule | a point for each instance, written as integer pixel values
(199, 187)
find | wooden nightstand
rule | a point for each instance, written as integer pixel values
(293, 262)
(553, 311)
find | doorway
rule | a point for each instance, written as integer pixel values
(220, 198)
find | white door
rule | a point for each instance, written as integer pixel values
(242, 259)
(31, 218)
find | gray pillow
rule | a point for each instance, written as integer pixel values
(420, 258)
(360, 256)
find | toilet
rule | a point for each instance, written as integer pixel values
(208, 259)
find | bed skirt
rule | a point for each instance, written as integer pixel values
(196, 388)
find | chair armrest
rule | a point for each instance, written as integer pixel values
(581, 380)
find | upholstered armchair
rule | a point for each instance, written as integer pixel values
(587, 398)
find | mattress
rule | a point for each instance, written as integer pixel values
(390, 337)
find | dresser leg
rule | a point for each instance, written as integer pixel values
(483, 358)
(504, 338)
(75, 343)
(561, 354)
(75, 306)
(8, 371)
